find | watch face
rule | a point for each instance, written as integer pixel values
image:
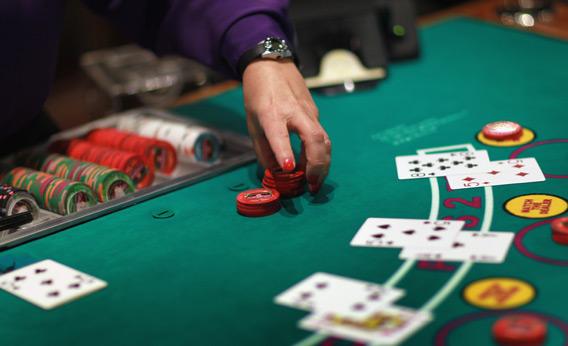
(275, 45)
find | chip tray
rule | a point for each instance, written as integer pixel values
(237, 151)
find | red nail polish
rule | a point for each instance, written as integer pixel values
(289, 165)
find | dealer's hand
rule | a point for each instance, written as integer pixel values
(277, 101)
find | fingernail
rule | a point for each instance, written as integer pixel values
(289, 165)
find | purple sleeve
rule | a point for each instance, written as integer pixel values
(214, 32)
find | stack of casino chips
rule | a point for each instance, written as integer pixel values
(196, 143)
(503, 131)
(55, 194)
(132, 164)
(14, 201)
(159, 154)
(520, 329)
(258, 202)
(288, 184)
(560, 230)
(106, 182)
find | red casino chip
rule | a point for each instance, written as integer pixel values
(520, 330)
(502, 130)
(559, 228)
(130, 163)
(258, 202)
(161, 155)
(288, 184)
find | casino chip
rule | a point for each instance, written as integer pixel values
(14, 201)
(132, 164)
(106, 182)
(258, 202)
(519, 330)
(58, 195)
(193, 142)
(502, 130)
(560, 230)
(159, 154)
(289, 184)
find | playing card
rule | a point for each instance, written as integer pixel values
(349, 297)
(386, 326)
(441, 165)
(383, 232)
(487, 247)
(504, 172)
(49, 284)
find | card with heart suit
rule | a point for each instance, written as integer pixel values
(517, 171)
(486, 247)
(441, 165)
(328, 292)
(389, 325)
(385, 232)
(49, 284)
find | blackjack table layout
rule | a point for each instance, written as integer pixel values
(205, 275)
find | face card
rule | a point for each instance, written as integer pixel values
(517, 171)
(349, 297)
(490, 247)
(384, 232)
(441, 165)
(49, 284)
(386, 326)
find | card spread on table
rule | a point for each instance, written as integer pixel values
(504, 172)
(385, 232)
(49, 284)
(349, 297)
(486, 247)
(386, 326)
(441, 165)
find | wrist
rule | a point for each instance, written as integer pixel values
(269, 49)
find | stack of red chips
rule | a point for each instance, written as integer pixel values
(130, 163)
(289, 184)
(503, 131)
(159, 154)
(258, 202)
(520, 330)
(560, 230)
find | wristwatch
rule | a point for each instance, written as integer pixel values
(269, 48)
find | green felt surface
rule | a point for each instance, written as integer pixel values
(208, 276)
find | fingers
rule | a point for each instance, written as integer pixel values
(261, 147)
(316, 151)
(276, 132)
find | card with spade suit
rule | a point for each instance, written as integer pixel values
(385, 232)
(441, 165)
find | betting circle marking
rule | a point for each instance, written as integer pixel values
(518, 241)
(499, 293)
(527, 137)
(536, 206)
(441, 338)
(517, 152)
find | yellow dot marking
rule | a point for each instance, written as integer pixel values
(536, 206)
(499, 293)
(526, 137)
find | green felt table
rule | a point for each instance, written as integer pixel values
(208, 276)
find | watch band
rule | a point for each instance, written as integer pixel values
(257, 52)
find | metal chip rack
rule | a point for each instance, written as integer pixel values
(237, 151)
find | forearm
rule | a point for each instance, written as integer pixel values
(214, 32)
